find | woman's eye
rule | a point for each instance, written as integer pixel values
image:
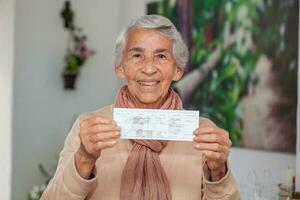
(137, 55)
(162, 56)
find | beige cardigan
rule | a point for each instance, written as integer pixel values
(181, 162)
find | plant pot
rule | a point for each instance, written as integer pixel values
(70, 80)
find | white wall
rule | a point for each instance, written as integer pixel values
(43, 111)
(7, 11)
(131, 9)
(242, 161)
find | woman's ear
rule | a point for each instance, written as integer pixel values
(119, 70)
(178, 73)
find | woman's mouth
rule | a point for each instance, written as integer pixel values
(148, 86)
(148, 83)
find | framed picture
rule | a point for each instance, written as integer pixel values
(243, 66)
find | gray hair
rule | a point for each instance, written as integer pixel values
(157, 23)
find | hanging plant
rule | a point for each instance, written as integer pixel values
(77, 51)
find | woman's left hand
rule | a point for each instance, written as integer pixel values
(215, 145)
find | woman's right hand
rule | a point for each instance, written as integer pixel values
(96, 133)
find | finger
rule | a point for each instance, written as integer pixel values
(95, 120)
(211, 129)
(212, 138)
(105, 136)
(201, 130)
(101, 128)
(216, 147)
(223, 132)
(104, 144)
(214, 156)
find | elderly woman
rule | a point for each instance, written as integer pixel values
(94, 164)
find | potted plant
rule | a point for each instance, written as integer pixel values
(76, 56)
(77, 50)
(37, 190)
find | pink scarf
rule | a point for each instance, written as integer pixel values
(143, 177)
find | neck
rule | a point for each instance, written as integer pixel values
(153, 105)
(170, 101)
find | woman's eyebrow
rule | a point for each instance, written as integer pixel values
(160, 50)
(138, 49)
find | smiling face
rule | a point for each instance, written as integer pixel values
(149, 67)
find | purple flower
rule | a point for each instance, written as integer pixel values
(79, 45)
(87, 52)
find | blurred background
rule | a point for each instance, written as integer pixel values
(242, 74)
(245, 57)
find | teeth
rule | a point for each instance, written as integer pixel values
(148, 83)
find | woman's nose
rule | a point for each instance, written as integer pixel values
(149, 67)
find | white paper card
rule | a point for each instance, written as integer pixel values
(156, 124)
